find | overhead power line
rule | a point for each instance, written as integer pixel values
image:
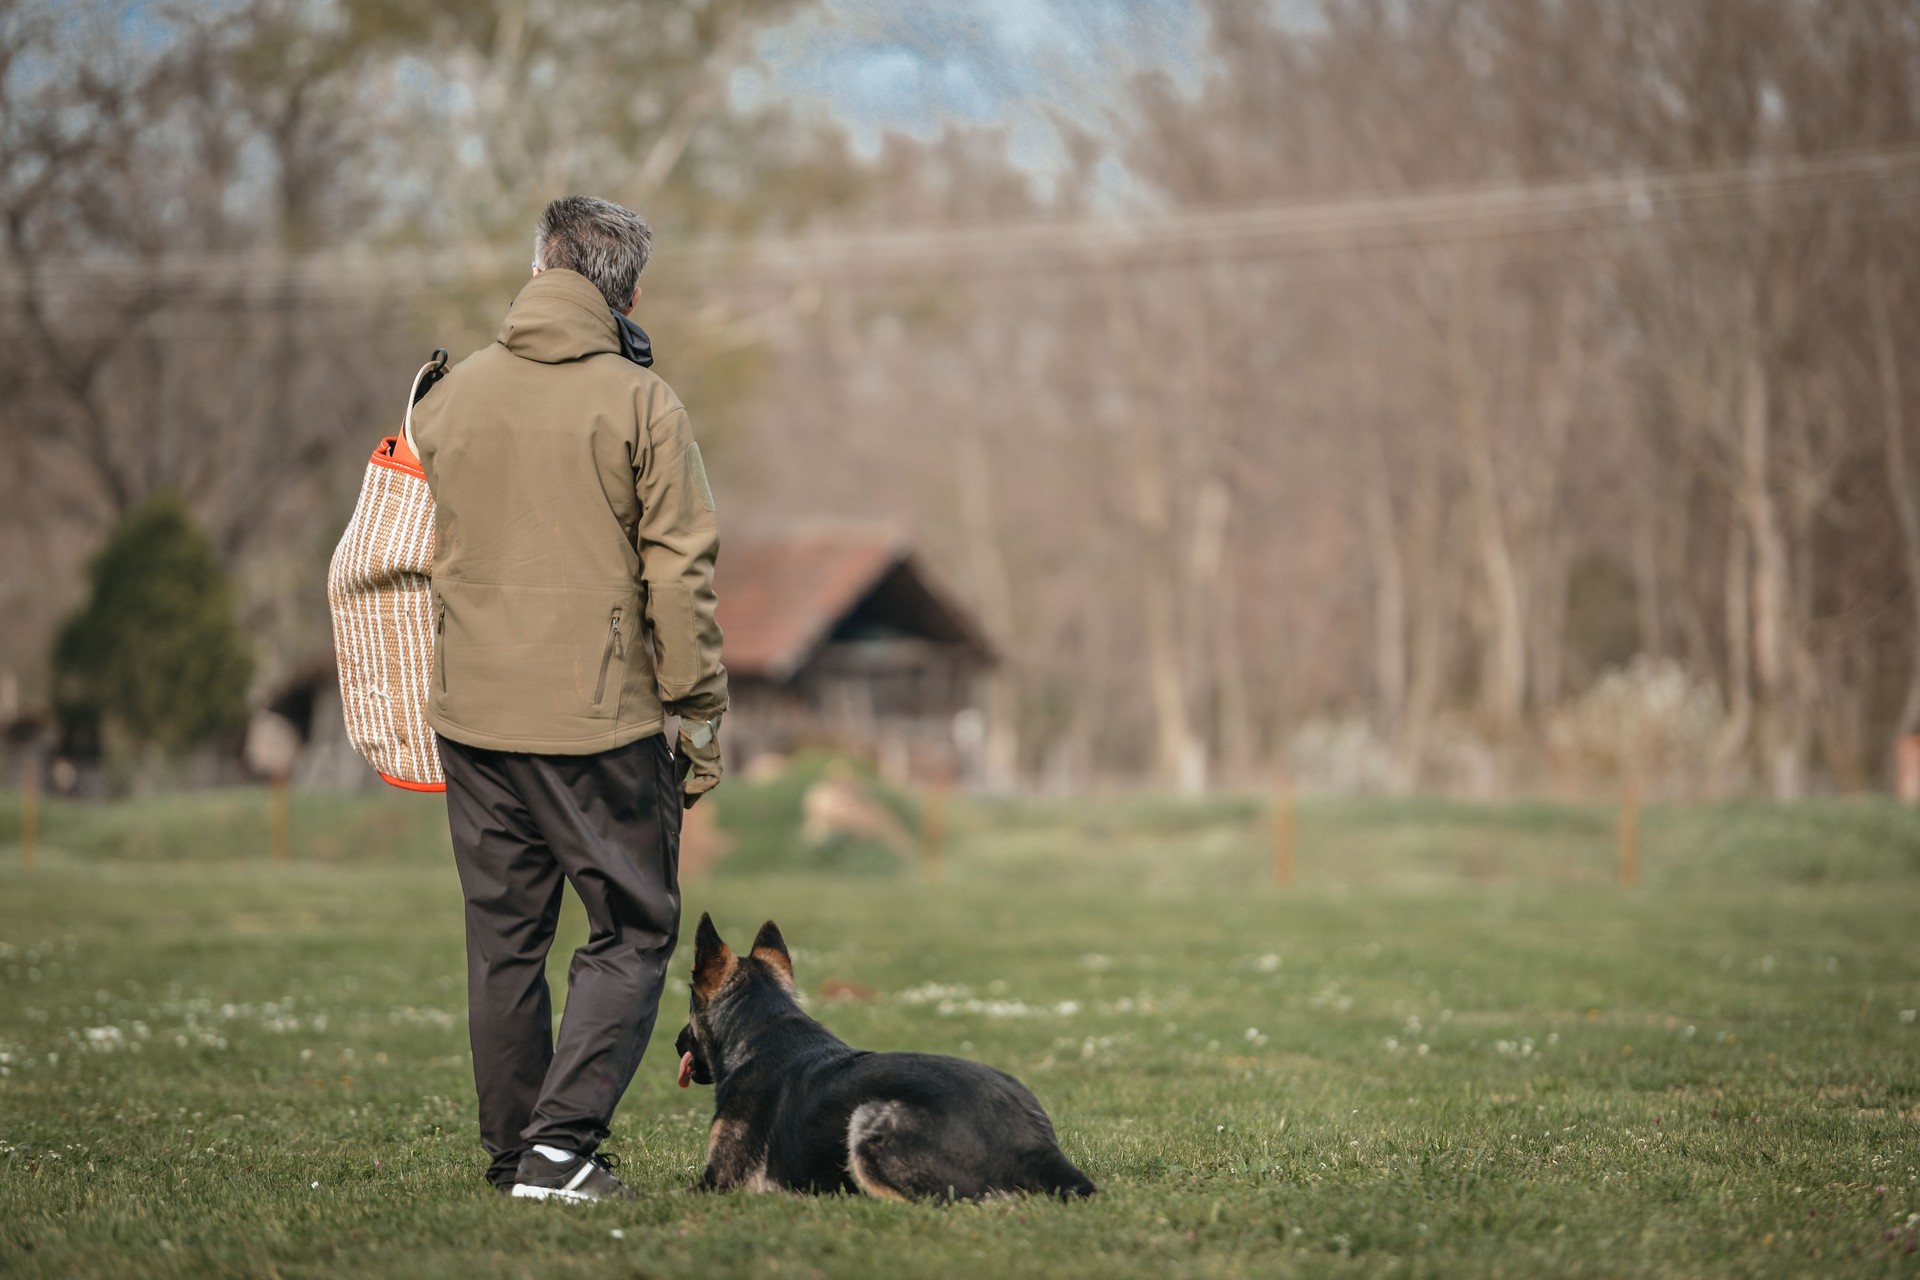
(1395, 220)
(1364, 224)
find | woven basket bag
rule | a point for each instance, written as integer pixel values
(380, 588)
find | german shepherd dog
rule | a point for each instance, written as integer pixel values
(795, 1109)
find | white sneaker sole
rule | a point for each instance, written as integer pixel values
(526, 1191)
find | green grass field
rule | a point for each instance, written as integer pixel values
(1455, 1048)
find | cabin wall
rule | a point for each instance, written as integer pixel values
(913, 706)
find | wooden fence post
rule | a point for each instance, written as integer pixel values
(30, 815)
(1629, 836)
(1283, 832)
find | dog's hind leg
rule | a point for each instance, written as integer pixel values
(896, 1151)
(876, 1132)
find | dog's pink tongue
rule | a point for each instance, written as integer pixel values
(686, 1070)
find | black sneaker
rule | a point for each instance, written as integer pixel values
(576, 1178)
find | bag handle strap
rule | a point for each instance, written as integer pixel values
(431, 372)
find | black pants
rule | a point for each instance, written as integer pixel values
(609, 824)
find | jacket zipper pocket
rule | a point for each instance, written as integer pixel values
(606, 657)
(440, 643)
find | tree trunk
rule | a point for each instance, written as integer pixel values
(1900, 486)
(1181, 757)
(1389, 610)
(1646, 581)
(1504, 683)
(1733, 740)
(1430, 600)
(995, 594)
(1770, 591)
(1547, 592)
(1233, 723)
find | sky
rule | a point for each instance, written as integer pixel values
(880, 65)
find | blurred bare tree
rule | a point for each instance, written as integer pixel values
(1436, 488)
(1539, 355)
(187, 155)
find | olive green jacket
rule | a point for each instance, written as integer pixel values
(573, 577)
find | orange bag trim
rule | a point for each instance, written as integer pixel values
(394, 455)
(404, 785)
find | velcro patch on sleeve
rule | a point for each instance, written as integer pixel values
(697, 476)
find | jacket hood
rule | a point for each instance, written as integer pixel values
(559, 316)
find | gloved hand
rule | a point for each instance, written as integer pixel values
(699, 759)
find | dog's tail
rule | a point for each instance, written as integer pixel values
(1055, 1175)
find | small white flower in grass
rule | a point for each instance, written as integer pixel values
(1423, 1051)
(1268, 963)
(617, 1234)
(1909, 1015)
(313, 1186)
(1253, 1033)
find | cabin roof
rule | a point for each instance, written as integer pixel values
(782, 598)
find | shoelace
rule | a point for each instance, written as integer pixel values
(606, 1160)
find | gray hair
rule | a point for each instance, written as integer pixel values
(604, 242)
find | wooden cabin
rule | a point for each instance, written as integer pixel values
(848, 639)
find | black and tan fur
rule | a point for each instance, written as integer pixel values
(796, 1109)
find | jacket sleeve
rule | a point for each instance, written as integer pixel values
(679, 539)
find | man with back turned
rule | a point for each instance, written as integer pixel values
(574, 607)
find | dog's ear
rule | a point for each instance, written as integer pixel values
(713, 959)
(770, 947)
